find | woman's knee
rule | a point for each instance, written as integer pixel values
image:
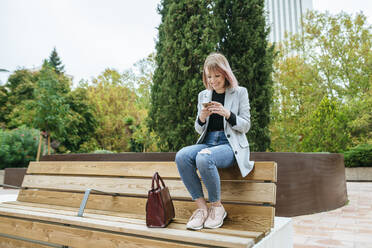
(180, 156)
(184, 157)
(203, 160)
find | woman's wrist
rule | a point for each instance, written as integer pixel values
(202, 119)
(232, 119)
(228, 114)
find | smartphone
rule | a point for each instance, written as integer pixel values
(206, 104)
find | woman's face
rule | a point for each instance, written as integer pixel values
(216, 80)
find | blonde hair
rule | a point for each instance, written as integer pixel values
(218, 62)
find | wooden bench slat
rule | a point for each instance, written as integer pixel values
(260, 218)
(106, 215)
(263, 171)
(125, 228)
(6, 242)
(231, 191)
(74, 237)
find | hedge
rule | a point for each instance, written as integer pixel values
(360, 156)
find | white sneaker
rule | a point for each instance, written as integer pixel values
(216, 215)
(197, 219)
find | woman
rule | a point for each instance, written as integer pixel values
(223, 120)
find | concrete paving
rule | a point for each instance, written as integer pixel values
(8, 194)
(348, 226)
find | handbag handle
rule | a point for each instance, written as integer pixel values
(156, 178)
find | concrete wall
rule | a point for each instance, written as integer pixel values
(358, 174)
(14, 176)
(1, 176)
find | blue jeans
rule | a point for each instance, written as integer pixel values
(214, 153)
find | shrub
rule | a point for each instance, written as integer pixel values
(360, 156)
(102, 152)
(18, 147)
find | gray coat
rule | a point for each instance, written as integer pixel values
(236, 101)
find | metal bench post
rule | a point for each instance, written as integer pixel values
(84, 203)
(86, 196)
(12, 186)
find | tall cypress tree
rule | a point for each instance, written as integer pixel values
(243, 40)
(185, 39)
(55, 62)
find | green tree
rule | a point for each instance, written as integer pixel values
(55, 62)
(140, 78)
(339, 47)
(331, 60)
(360, 119)
(243, 35)
(82, 123)
(185, 38)
(52, 112)
(17, 93)
(326, 129)
(19, 98)
(3, 108)
(143, 80)
(297, 93)
(114, 102)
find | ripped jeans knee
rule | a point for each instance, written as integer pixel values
(205, 151)
(204, 160)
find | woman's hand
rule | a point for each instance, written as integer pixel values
(204, 114)
(217, 108)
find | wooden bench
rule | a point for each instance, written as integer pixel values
(46, 211)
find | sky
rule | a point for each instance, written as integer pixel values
(92, 35)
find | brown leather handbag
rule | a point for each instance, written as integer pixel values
(159, 206)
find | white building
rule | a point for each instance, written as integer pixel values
(285, 16)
